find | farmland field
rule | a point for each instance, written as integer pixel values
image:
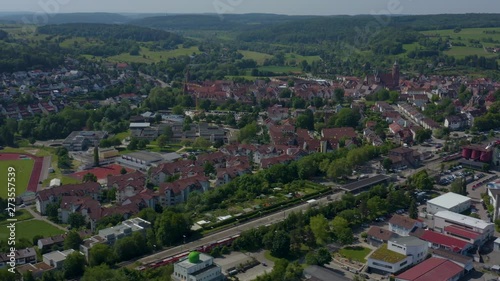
(147, 56)
(256, 56)
(487, 37)
(22, 175)
(281, 69)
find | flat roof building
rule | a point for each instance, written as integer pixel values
(449, 202)
(443, 219)
(197, 267)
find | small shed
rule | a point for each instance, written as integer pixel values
(496, 245)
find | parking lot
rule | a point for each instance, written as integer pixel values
(234, 259)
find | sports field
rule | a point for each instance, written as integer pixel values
(22, 174)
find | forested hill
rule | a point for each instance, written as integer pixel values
(350, 28)
(215, 22)
(111, 31)
(109, 18)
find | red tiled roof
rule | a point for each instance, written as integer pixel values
(402, 221)
(338, 133)
(70, 190)
(462, 232)
(433, 269)
(437, 238)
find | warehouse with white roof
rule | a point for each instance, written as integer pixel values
(449, 202)
(444, 219)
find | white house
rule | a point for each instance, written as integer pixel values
(449, 202)
(397, 254)
(402, 225)
(197, 267)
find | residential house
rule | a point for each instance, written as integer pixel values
(176, 192)
(56, 259)
(402, 225)
(53, 195)
(378, 236)
(21, 257)
(405, 156)
(112, 234)
(456, 122)
(127, 185)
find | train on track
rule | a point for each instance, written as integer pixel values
(203, 249)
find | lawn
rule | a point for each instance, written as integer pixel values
(386, 255)
(355, 253)
(21, 176)
(21, 215)
(28, 229)
(461, 52)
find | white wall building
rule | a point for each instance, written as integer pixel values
(56, 259)
(447, 218)
(398, 254)
(197, 267)
(449, 202)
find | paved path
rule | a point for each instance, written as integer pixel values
(44, 174)
(238, 228)
(45, 219)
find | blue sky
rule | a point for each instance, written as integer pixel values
(291, 7)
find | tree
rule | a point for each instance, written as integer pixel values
(162, 141)
(281, 244)
(459, 186)
(52, 211)
(132, 145)
(72, 241)
(76, 220)
(413, 211)
(201, 142)
(36, 238)
(387, 163)
(339, 95)
(324, 256)
(306, 120)
(178, 110)
(74, 265)
(319, 226)
(123, 171)
(423, 135)
(96, 156)
(208, 168)
(89, 177)
(170, 227)
(101, 254)
(342, 231)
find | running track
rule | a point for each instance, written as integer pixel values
(37, 168)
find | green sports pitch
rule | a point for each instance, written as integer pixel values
(22, 175)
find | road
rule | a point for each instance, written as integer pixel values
(270, 219)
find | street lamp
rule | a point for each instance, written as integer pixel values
(184, 236)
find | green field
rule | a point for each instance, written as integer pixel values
(147, 56)
(463, 37)
(290, 58)
(281, 69)
(21, 175)
(256, 56)
(28, 229)
(21, 215)
(355, 253)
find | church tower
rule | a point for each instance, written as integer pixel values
(395, 74)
